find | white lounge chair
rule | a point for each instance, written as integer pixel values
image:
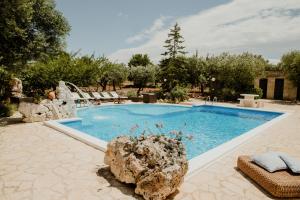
(75, 96)
(96, 95)
(77, 99)
(106, 95)
(88, 96)
(116, 95)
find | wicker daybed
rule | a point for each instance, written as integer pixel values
(281, 184)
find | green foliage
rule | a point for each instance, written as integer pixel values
(5, 78)
(257, 91)
(131, 94)
(290, 63)
(139, 60)
(173, 72)
(178, 94)
(7, 109)
(43, 75)
(30, 29)
(112, 73)
(197, 71)
(235, 73)
(174, 43)
(141, 76)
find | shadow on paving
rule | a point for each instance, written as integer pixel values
(9, 121)
(126, 189)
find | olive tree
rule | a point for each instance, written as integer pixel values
(290, 63)
(112, 74)
(141, 76)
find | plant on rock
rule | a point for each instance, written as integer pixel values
(155, 163)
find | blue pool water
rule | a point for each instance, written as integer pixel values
(209, 126)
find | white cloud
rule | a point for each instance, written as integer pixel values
(157, 25)
(121, 14)
(266, 27)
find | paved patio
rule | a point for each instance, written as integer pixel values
(37, 162)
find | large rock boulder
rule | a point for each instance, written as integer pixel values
(156, 164)
(46, 110)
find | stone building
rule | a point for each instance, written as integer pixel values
(276, 85)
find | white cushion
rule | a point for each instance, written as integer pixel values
(270, 161)
(292, 163)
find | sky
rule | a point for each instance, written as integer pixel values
(119, 28)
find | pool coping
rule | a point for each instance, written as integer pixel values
(195, 164)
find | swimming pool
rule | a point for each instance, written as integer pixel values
(209, 126)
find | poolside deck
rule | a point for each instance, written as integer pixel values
(37, 162)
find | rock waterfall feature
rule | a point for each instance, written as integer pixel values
(62, 107)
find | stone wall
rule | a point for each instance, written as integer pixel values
(289, 90)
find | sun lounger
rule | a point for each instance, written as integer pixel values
(96, 95)
(79, 101)
(117, 98)
(116, 95)
(283, 184)
(88, 96)
(106, 95)
(75, 96)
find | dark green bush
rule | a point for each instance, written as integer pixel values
(228, 94)
(257, 91)
(179, 94)
(7, 109)
(5, 78)
(131, 93)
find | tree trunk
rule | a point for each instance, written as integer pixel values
(114, 85)
(138, 92)
(202, 89)
(104, 87)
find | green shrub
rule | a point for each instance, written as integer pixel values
(5, 78)
(228, 94)
(7, 109)
(178, 94)
(160, 94)
(257, 91)
(131, 93)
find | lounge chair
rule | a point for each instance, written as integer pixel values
(96, 95)
(281, 184)
(107, 96)
(75, 96)
(117, 97)
(77, 99)
(88, 96)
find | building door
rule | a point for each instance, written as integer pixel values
(263, 84)
(278, 91)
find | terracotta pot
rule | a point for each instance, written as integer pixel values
(51, 95)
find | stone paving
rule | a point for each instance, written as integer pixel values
(37, 162)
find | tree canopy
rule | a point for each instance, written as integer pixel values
(174, 42)
(43, 75)
(139, 60)
(290, 63)
(29, 30)
(112, 73)
(229, 75)
(141, 76)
